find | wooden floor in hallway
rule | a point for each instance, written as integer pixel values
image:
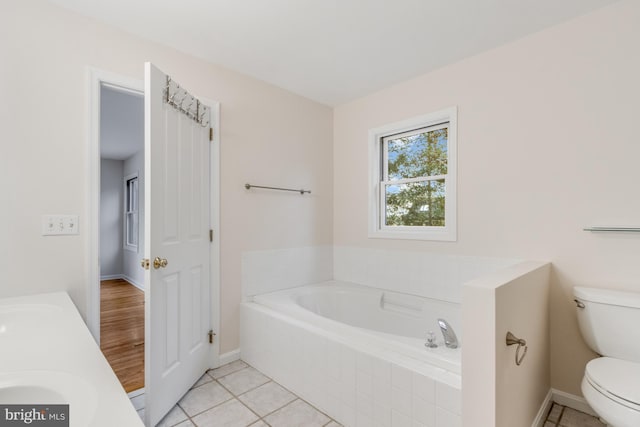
(122, 331)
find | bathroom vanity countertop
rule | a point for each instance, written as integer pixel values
(48, 354)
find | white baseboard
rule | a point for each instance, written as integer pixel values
(230, 356)
(133, 282)
(541, 416)
(561, 398)
(124, 277)
(572, 401)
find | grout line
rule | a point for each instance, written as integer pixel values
(294, 394)
(561, 415)
(237, 398)
(228, 373)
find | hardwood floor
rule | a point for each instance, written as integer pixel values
(122, 331)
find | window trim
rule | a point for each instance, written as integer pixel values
(376, 227)
(125, 229)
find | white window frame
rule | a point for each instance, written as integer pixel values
(377, 228)
(127, 214)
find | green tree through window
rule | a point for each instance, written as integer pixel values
(414, 180)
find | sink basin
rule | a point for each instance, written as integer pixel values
(51, 387)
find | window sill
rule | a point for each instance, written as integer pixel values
(434, 235)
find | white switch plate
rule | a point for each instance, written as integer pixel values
(59, 225)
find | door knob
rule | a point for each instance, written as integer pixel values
(159, 262)
(144, 263)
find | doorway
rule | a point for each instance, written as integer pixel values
(161, 280)
(122, 233)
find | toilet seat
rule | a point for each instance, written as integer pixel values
(612, 389)
(617, 379)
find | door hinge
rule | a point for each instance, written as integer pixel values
(211, 335)
(210, 134)
(211, 235)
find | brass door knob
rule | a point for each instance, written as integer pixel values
(159, 262)
(144, 263)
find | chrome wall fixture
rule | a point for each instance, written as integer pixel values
(512, 340)
(613, 229)
(184, 102)
(250, 186)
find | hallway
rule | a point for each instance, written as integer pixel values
(122, 331)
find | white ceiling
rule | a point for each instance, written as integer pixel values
(121, 124)
(333, 51)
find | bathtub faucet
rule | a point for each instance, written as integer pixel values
(450, 338)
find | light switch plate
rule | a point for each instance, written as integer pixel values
(60, 225)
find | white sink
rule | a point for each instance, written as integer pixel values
(48, 388)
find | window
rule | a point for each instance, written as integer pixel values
(413, 178)
(131, 212)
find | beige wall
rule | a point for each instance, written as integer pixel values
(547, 143)
(269, 136)
(496, 392)
(522, 307)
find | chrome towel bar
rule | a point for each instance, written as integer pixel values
(613, 229)
(250, 186)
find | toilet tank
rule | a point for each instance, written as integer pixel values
(610, 321)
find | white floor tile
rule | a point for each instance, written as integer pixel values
(554, 414)
(267, 398)
(333, 424)
(175, 416)
(297, 413)
(203, 380)
(244, 380)
(138, 401)
(229, 414)
(204, 397)
(259, 424)
(573, 418)
(186, 423)
(227, 369)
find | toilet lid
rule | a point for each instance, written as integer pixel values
(619, 379)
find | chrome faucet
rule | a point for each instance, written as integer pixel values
(450, 338)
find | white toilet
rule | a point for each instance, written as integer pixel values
(610, 324)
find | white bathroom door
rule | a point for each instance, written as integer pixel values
(177, 293)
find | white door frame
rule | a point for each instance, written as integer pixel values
(95, 79)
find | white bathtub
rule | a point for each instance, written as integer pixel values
(357, 353)
(397, 322)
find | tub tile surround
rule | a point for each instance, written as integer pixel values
(353, 382)
(274, 270)
(424, 274)
(359, 381)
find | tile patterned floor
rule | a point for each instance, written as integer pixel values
(562, 416)
(237, 395)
